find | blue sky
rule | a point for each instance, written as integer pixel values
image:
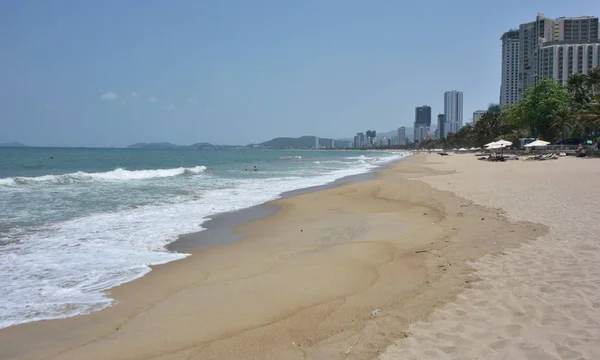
(112, 73)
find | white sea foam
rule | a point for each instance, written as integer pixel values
(290, 157)
(64, 268)
(113, 175)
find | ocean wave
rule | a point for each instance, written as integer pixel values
(290, 157)
(118, 174)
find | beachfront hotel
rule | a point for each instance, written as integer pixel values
(561, 59)
(453, 112)
(509, 90)
(422, 122)
(546, 47)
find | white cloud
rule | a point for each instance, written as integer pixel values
(170, 107)
(109, 96)
(134, 94)
(152, 98)
(192, 100)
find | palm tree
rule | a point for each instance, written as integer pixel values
(592, 81)
(563, 121)
(577, 87)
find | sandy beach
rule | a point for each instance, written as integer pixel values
(434, 257)
(538, 301)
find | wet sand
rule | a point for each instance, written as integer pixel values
(301, 283)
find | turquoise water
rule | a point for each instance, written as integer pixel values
(76, 222)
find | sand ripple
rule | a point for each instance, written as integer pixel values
(539, 301)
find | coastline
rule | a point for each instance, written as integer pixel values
(220, 229)
(391, 243)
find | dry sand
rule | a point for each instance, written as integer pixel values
(304, 282)
(540, 300)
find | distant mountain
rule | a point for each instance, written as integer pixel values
(303, 142)
(203, 145)
(153, 146)
(12, 144)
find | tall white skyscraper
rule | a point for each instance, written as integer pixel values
(402, 135)
(453, 112)
(509, 90)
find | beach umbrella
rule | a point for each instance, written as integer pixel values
(504, 142)
(462, 149)
(474, 148)
(489, 144)
(537, 143)
(495, 146)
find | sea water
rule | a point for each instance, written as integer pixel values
(76, 222)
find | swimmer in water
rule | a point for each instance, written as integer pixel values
(255, 168)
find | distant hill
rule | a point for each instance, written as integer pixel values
(202, 145)
(12, 144)
(303, 142)
(154, 146)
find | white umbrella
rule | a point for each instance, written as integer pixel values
(462, 149)
(504, 142)
(496, 146)
(538, 143)
(489, 144)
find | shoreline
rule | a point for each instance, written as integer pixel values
(310, 276)
(220, 229)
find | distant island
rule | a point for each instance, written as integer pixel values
(12, 144)
(303, 142)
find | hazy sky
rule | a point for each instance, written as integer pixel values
(116, 72)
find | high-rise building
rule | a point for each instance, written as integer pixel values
(421, 133)
(561, 59)
(422, 120)
(359, 140)
(509, 90)
(332, 143)
(531, 36)
(453, 112)
(402, 135)
(552, 48)
(441, 119)
(423, 115)
(477, 115)
(584, 28)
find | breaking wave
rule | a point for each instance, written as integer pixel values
(118, 174)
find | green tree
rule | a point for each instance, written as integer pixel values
(488, 128)
(494, 108)
(540, 103)
(565, 122)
